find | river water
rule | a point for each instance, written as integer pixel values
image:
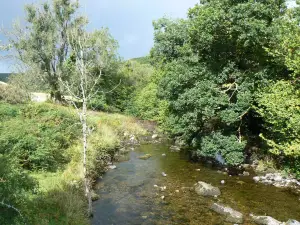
(128, 194)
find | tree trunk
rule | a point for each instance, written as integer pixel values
(55, 93)
(85, 147)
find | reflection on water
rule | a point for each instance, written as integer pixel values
(128, 196)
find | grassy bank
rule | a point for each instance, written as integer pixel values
(42, 141)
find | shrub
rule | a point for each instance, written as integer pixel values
(13, 95)
(39, 136)
(14, 185)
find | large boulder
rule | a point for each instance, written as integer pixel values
(232, 215)
(206, 189)
(265, 220)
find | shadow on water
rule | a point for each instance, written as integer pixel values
(128, 196)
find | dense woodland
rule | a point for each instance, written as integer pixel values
(224, 81)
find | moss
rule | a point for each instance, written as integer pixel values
(145, 157)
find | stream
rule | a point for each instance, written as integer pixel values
(128, 194)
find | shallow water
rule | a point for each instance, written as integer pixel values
(128, 196)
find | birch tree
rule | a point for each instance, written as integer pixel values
(91, 54)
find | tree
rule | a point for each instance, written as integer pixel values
(91, 54)
(213, 63)
(43, 43)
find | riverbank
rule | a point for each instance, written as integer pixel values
(50, 136)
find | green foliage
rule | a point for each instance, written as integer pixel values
(279, 105)
(14, 184)
(8, 111)
(49, 135)
(38, 136)
(228, 148)
(211, 67)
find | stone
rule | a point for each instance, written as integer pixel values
(174, 148)
(206, 189)
(265, 220)
(133, 140)
(222, 181)
(162, 197)
(177, 191)
(232, 215)
(292, 222)
(246, 166)
(256, 179)
(154, 136)
(112, 167)
(156, 186)
(163, 174)
(163, 155)
(145, 157)
(245, 173)
(198, 170)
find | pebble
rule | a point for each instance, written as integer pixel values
(156, 186)
(163, 154)
(222, 181)
(162, 197)
(164, 174)
(177, 191)
(198, 169)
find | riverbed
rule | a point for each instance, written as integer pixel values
(136, 192)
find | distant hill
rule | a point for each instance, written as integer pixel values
(142, 60)
(4, 76)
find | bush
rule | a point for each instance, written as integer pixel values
(14, 185)
(13, 95)
(39, 135)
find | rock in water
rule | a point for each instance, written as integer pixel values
(222, 181)
(292, 222)
(112, 167)
(145, 157)
(265, 220)
(175, 148)
(164, 174)
(154, 136)
(256, 179)
(232, 215)
(206, 189)
(163, 154)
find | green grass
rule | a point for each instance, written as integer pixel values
(59, 197)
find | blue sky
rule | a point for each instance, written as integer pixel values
(129, 21)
